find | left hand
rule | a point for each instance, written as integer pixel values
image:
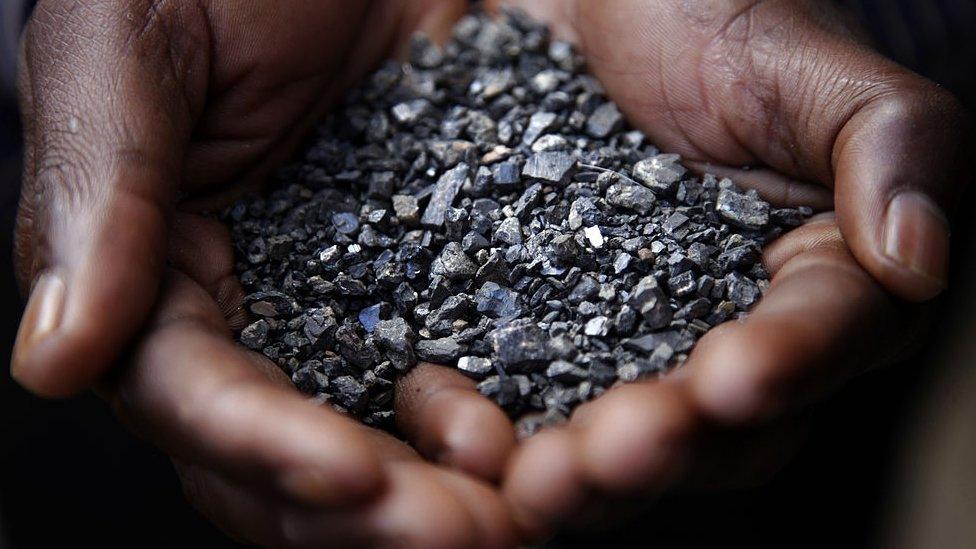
(822, 321)
(783, 85)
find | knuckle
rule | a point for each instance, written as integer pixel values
(89, 64)
(70, 177)
(172, 34)
(168, 22)
(63, 178)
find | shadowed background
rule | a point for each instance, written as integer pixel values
(888, 460)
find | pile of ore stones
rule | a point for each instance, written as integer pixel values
(484, 206)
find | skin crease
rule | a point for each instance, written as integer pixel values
(199, 129)
(100, 212)
(780, 85)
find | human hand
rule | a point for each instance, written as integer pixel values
(271, 468)
(133, 106)
(137, 115)
(786, 87)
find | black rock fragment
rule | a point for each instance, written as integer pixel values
(255, 335)
(743, 210)
(453, 263)
(520, 346)
(632, 197)
(439, 351)
(553, 167)
(660, 173)
(484, 206)
(395, 339)
(350, 394)
(445, 192)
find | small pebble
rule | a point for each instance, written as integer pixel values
(484, 207)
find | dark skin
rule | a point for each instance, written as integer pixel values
(199, 99)
(121, 156)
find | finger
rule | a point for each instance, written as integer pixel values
(492, 516)
(788, 84)
(242, 515)
(448, 420)
(822, 321)
(543, 482)
(645, 437)
(201, 248)
(108, 98)
(250, 517)
(195, 393)
(424, 507)
(774, 188)
(637, 439)
(897, 174)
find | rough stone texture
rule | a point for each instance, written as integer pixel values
(661, 172)
(444, 194)
(745, 210)
(486, 207)
(632, 197)
(552, 167)
(605, 120)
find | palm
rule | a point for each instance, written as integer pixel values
(684, 120)
(702, 78)
(171, 121)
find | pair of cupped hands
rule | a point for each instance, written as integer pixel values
(141, 114)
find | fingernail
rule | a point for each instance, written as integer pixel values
(41, 317)
(917, 236)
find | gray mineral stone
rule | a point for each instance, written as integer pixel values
(554, 167)
(474, 366)
(632, 197)
(439, 351)
(445, 192)
(742, 210)
(660, 173)
(484, 206)
(605, 120)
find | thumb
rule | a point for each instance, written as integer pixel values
(107, 108)
(788, 85)
(898, 174)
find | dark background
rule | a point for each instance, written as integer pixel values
(70, 473)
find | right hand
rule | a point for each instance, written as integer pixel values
(137, 115)
(136, 108)
(784, 86)
(266, 466)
